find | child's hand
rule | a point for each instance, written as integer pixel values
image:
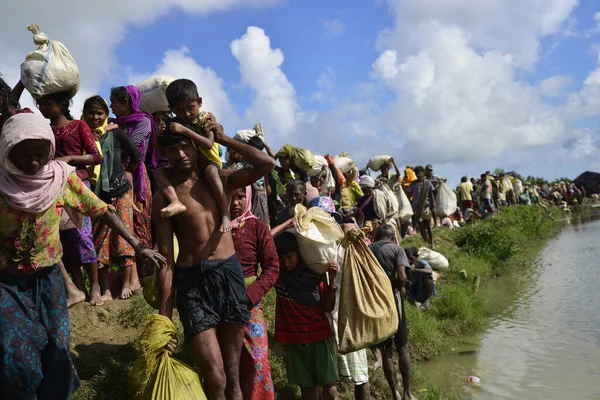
(110, 127)
(176, 127)
(211, 124)
(333, 271)
(66, 159)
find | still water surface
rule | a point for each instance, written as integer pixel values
(545, 344)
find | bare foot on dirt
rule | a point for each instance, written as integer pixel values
(75, 296)
(106, 296)
(135, 285)
(126, 293)
(409, 396)
(225, 224)
(173, 209)
(95, 297)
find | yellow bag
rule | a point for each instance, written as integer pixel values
(157, 376)
(367, 313)
(150, 283)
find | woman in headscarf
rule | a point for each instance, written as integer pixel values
(113, 185)
(351, 190)
(260, 188)
(76, 146)
(254, 246)
(366, 205)
(34, 339)
(125, 104)
(95, 115)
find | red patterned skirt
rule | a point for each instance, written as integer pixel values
(255, 369)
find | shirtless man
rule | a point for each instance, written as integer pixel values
(211, 296)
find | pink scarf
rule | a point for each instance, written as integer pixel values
(247, 214)
(30, 193)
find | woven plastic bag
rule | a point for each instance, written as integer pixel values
(50, 69)
(367, 313)
(405, 211)
(375, 163)
(244, 135)
(385, 202)
(301, 158)
(318, 237)
(153, 91)
(157, 376)
(436, 260)
(345, 164)
(445, 201)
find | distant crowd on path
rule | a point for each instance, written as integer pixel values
(98, 193)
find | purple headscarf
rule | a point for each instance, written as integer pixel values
(149, 149)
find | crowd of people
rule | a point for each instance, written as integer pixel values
(99, 193)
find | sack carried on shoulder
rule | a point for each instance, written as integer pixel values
(367, 312)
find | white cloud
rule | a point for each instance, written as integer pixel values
(555, 85)
(260, 66)
(454, 68)
(503, 25)
(334, 28)
(583, 144)
(180, 64)
(586, 102)
(90, 30)
(326, 87)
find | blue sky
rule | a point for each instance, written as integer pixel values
(464, 85)
(298, 28)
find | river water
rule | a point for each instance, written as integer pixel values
(545, 344)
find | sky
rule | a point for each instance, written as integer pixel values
(465, 85)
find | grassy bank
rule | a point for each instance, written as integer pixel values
(486, 249)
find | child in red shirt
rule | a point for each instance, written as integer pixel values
(303, 298)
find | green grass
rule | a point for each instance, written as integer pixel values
(135, 315)
(486, 249)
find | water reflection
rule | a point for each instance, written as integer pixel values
(545, 344)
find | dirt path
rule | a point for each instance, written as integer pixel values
(102, 347)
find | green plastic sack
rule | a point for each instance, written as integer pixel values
(302, 158)
(157, 376)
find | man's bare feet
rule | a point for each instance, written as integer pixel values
(74, 297)
(126, 293)
(95, 297)
(173, 209)
(225, 224)
(106, 296)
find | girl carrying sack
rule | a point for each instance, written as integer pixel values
(367, 313)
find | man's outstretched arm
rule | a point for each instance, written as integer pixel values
(261, 163)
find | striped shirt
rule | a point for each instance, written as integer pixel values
(296, 323)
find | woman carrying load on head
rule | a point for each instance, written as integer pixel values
(125, 104)
(34, 188)
(254, 246)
